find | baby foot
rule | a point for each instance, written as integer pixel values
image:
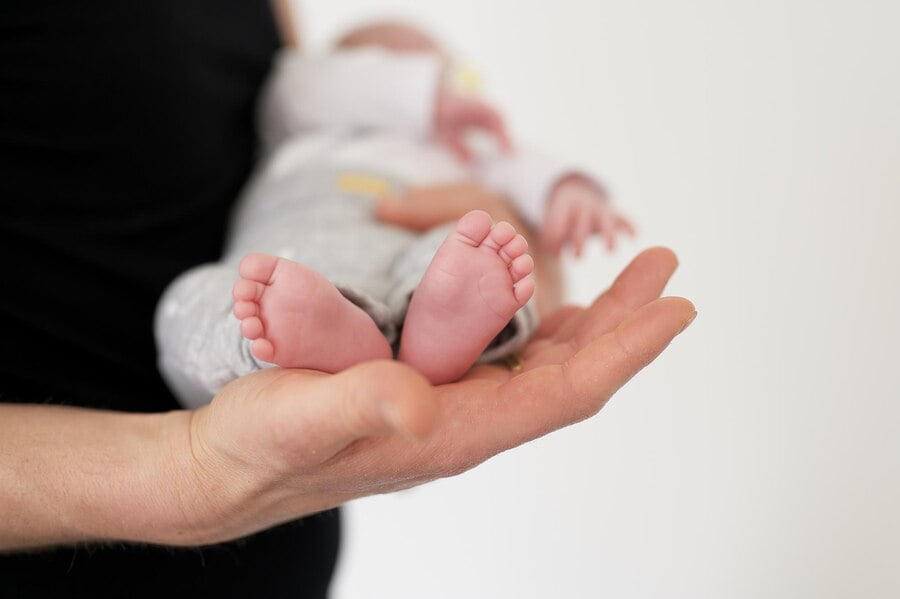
(473, 287)
(297, 319)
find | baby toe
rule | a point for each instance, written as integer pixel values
(521, 267)
(524, 289)
(258, 267)
(245, 309)
(513, 249)
(263, 350)
(474, 226)
(501, 234)
(252, 328)
(246, 290)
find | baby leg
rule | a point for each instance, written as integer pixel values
(297, 319)
(199, 345)
(476, 282)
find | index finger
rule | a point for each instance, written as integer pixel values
(581, 386)
(474, 427)
(642, 281)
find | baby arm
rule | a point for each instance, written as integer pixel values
(563, 203)
(578, 207)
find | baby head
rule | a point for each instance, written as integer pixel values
(391, 35)
(397, 36)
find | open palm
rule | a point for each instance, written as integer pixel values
(302, 441)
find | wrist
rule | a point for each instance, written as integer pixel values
(80, 475)
(160, 489)
(186, 506)
(232, 474)
(154, 493)
(576, 181)
(209, 497)
(72, 475)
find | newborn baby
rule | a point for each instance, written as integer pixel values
(322, 284)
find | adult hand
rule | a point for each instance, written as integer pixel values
(422, 208)
(280, 444)
(455, 114)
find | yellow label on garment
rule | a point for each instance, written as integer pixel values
(364, 185)
(469, 80)
(465, 79)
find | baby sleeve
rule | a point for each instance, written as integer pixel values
(527, 178)
(367, 88)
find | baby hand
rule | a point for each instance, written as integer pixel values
(577, 208)
(455, 114)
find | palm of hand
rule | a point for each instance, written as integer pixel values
(301, 441)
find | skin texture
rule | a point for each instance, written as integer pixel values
(296, 318)
(474, 285)
(283, 443)
(577, 209)
(477, 280)
(425, 207)
(310, 454)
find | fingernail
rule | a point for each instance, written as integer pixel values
(687, 323)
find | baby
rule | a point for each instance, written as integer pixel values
(322, 284)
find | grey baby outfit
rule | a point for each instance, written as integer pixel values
(312, 201)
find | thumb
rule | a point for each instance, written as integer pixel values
(370, 399)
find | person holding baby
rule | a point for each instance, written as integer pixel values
(125, 158)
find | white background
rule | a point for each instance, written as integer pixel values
(760, 455)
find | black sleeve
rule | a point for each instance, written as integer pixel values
(126, 131)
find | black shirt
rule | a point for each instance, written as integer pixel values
(126, 131)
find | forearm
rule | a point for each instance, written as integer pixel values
(72, 474)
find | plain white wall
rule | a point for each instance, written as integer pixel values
(760, 455)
